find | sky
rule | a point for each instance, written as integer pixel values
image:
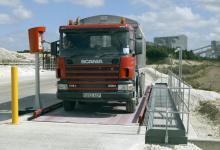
(199, 20)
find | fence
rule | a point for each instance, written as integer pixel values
(49, 62)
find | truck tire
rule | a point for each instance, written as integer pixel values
(141, 85)
(130, 106)
(68, 105)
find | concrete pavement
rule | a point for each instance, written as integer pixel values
(55, 136)
(49, 135)
(26, 94)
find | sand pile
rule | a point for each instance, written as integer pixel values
(7, 56)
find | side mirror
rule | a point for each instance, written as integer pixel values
(54, 48)
(35, 39)
(138, 34)
(138, 47)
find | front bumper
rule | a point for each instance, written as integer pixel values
(105, 96)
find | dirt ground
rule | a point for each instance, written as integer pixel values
(204, 127)
(210, 80)
(209, 112)
(203, 75)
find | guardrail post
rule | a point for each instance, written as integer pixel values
(14, 94)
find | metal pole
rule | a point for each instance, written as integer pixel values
(166, 135)
(183, 98)
(37, 83)
(180, 63)
(43, 60)
(180, 68)
(188, 111)
(14, 94)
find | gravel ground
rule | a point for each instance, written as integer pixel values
(189, 146)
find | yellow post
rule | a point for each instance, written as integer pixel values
(14, 94)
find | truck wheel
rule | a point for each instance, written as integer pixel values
(140, 90)
(141, 85)
(68, 105)
(130, 106)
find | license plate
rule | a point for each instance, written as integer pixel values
(92, 95)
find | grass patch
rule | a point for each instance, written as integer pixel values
(204, 76)
(189, 69)
(211, 110)
(186, 69)
(160, 61)
(207, 108)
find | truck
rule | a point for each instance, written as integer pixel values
(100, 59)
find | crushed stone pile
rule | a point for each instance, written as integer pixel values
(7, 56)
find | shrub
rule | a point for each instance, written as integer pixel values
(209, 109)
(157, 53)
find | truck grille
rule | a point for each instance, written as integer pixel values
(92, 78)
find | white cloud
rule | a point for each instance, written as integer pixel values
(9, 2)
(42, 1)
(89, 3)
(210, 5)
(19, 40)
(14, 41)
(154, 4)
(14, 11)
(170, 18)
(22, 13)
(4, 19)
(84, 3)
(186, 13)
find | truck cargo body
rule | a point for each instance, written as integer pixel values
(98, 61)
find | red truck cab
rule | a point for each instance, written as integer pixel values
(98, 61)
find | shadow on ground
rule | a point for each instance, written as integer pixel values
(26, 104)
(92, 113)
(92, 110)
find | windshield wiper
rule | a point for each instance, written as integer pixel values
(75, 55)
(100, 56)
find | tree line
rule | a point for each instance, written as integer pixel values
(155, 52)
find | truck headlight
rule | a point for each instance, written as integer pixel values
(125, 87)
(62, 86)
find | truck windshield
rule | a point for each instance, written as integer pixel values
(94, 42)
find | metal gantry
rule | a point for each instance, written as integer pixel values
(167, 117)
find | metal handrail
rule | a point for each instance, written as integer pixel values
(180, 93)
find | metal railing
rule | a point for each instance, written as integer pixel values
(48, 61)
(180, 93)
(169, 102)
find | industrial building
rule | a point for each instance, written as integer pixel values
(210, 51)
(215, 46)
(172, 41)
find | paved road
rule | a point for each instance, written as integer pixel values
(56, 136)
(26, 94)
(68, 136)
